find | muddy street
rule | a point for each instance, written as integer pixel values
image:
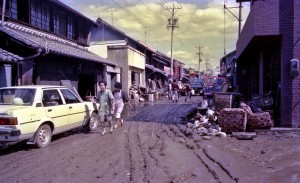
(154, 146)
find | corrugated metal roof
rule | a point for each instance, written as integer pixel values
(54, 44)
(6, 56)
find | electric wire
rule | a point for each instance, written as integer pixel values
(184, 33)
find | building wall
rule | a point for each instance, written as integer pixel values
(136, 59)
(273, 25)
(263, 19)
(5, 75)
(83, 75)
(290, 92)
(105, 33)
(296, 53)
(129, 61)
(100, 50)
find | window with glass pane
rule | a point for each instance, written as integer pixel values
(59, 23)
(13, 9)
(69, 96)
(83, 32)
(71, 28)
(40, 15)
(62, 24)
(55, 22)
(51, 98)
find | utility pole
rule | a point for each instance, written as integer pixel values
(239, 18)
(112, 15)
(199, 54)
(146, 34)
(172, 24)
(207, 64)
(3, 12)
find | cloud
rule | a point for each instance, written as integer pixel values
(201, 23)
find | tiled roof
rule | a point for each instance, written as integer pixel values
(56, 45)
(6, 56)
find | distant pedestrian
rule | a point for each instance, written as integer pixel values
(120, 97)
(170, 90)
(175, 89)
(188, 92)
(106, 108)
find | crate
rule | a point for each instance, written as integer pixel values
(150, 97)
(222, 101)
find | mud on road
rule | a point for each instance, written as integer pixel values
(153, 146)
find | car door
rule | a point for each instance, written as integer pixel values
(77, 110)
(55, 109)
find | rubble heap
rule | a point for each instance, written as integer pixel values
(206, 125)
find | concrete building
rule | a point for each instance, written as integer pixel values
(106, 40)
(267, 44)
(132, 63)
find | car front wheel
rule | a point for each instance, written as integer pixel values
(43, 136)
(93, 123)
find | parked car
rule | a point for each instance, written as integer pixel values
(36, 113)
(212, 84)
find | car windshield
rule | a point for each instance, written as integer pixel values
(213, 81)
(17, 96)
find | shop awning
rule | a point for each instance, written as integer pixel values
(154, 69)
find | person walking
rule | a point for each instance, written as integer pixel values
(188, 92)
(170, 90)
(106, 107)
(175, 89)
(120, 97)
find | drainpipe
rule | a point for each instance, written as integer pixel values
(3, 11)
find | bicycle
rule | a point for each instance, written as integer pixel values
(262, 102)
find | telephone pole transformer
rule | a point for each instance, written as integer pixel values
(172, 24)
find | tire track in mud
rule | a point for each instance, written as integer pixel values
(217, 170)
(170, 114)
(154, 146)
(142, 152)
(127, 146)
(219, 165)
(137, 159)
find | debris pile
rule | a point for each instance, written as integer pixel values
(136, 92)
(206, 125)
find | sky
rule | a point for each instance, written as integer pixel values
(201, 25)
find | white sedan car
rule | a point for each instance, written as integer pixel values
(35, 113)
